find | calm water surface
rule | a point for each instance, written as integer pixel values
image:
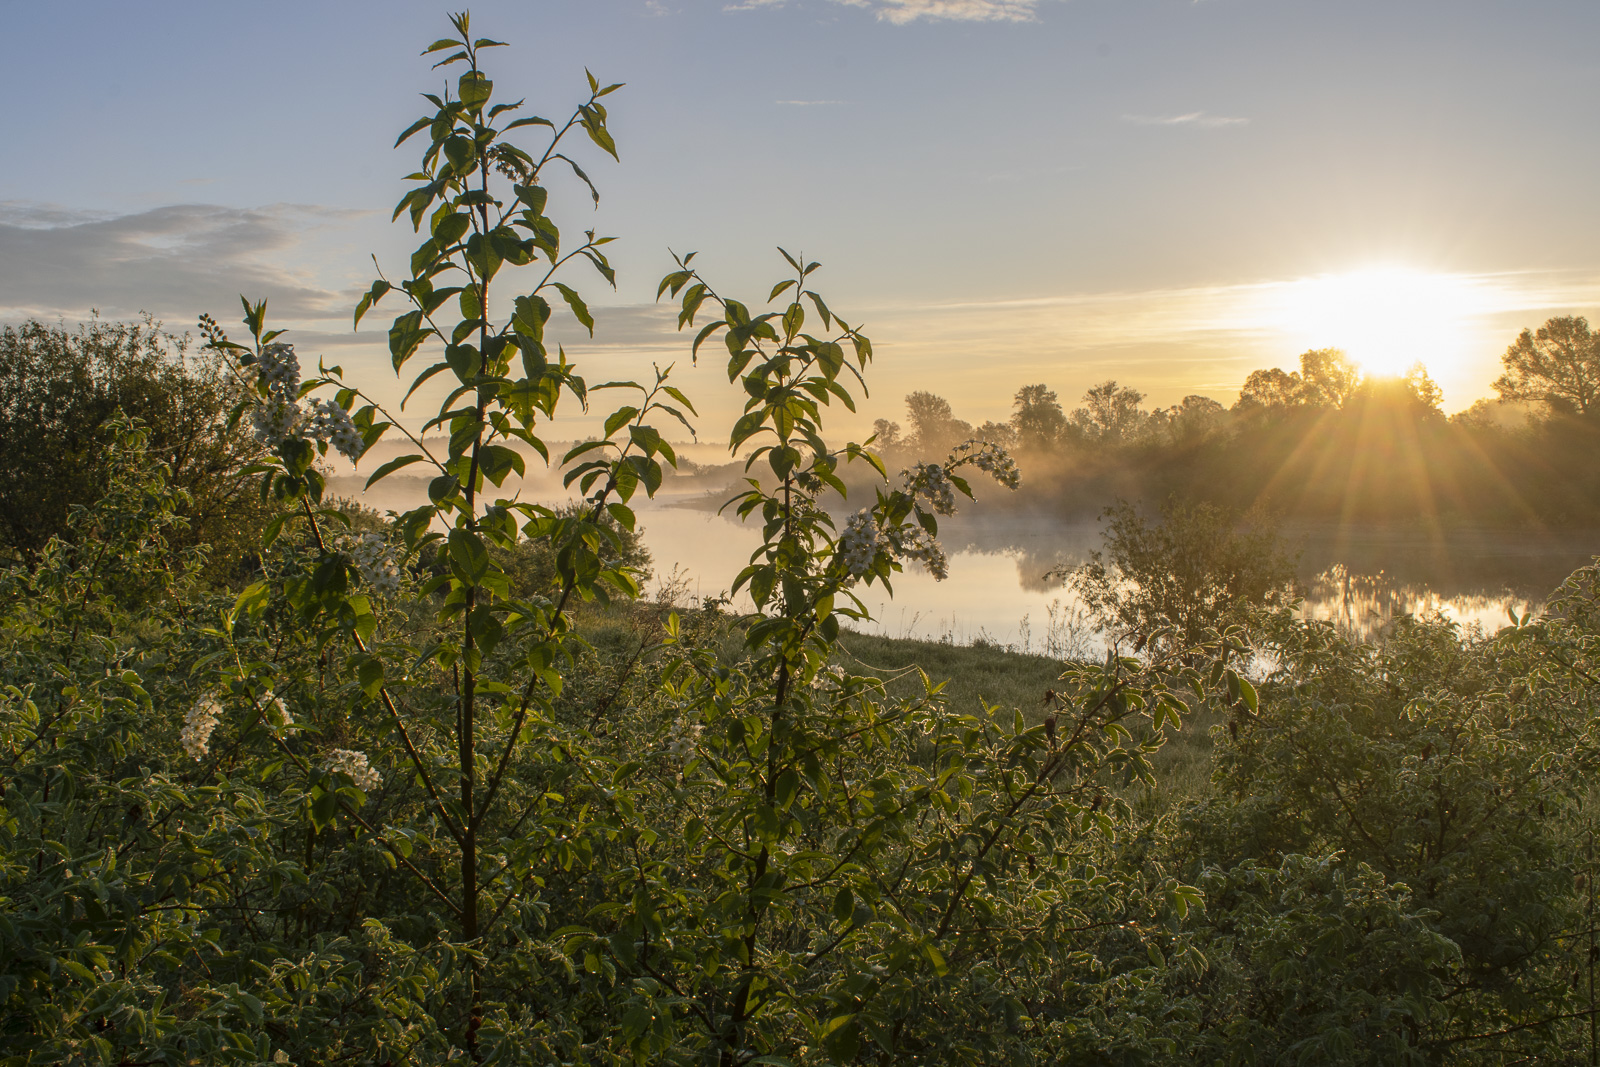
(998, 591)
(1359, 577)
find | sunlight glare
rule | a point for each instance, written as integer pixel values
(1385, 319)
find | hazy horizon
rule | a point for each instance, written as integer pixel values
(1006, 191)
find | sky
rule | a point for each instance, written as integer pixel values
(1169, 193)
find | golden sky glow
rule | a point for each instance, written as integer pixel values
(1384, 318)
(1171, 194)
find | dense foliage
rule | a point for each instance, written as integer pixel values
(60, 391)
(440, 788)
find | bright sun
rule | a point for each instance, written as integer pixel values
(1385, 319)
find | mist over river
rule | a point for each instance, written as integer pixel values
(999, 590)
(1359, 576)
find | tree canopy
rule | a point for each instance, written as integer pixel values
(1557, 365)
(59, 392)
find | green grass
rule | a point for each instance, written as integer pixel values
(971, 673)
(974, 673)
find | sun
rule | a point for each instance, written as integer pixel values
(1384, 318)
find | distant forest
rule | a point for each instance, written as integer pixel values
(1324, 443)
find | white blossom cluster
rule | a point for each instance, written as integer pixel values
(991, 459)
(913, 542)
(279, 367)
(198, 726)
(331, 423)
(280, 414)
(350, 762)
(276, 713)
(682, 737)
(931, 480)
(861, 542)
(273, 420)
(863, 539)
(276, 417)
(376, 562)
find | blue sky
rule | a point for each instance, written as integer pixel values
(1007, 191)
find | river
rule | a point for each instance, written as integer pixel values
(998, 590)
(1360, 577)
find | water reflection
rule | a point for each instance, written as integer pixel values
(1363, 604)
(1358, 577)
(999, 590)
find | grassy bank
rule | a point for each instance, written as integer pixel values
(972, 676)
(978, 674)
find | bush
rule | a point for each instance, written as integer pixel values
(59, 392)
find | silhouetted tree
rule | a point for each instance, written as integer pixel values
(1197, 418)
(1038, 419)
(1270, 391)
(1327, 377)
(934, 427)
(1110, 414)
(1558, 366)
(997, 433)
(1201, 567)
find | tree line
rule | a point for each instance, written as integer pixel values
(1324, 442)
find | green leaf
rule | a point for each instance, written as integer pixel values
(579, 308)
(448, 229)
(620, 418)
(578, 171)
(469, 556)
(370, 675)
(442, 487)
(747, 427)
(405, 336)
(623, 514)
(464, 360)
(390, 467)
(324, 807)
(533, 312)
(531, 120)
(496, 461)
(474, 89)
(677, 395)
(425, 121)
(594, 126)
(371, 297)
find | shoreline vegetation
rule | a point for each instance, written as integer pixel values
(284, 780)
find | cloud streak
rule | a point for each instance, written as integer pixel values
(1198, 119)
(171, 261)
(903, 12)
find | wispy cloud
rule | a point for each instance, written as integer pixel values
(1191, 118)
(901, 12)
(172, 261)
